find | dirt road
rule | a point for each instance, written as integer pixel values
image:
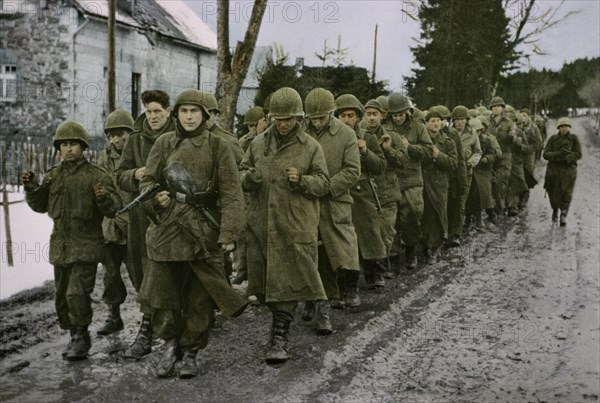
(512, 315)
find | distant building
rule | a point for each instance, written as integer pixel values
(251, 82)
(53, 60)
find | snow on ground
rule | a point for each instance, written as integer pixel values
(30, 239)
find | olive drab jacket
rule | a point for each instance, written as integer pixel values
(501, 129)
(336, 229)
(436, 177)
(534, 138)
(419, 148)
(458, 177)
(231, 141)
(114, 229)
(284, 218)
(67, 195)
(471, 148)
(562, 154)
(388, 187)
(182, 232)
(517, 183)
(482, 173)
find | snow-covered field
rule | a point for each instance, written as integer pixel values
(30, 233)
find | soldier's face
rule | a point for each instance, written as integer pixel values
(285, 126)
(320, 122)
(434, 124)
(399, 118)
(348, 117)
(71, 150)
(262, 125)
(497, 110)
(459, 124)
(190, 117)
(373, 117)
(118, 137)
(156, 115)
(564, 129)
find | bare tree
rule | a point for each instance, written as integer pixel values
(232, 69)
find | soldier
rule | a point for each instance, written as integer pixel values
(383, 101)
(471, 152)
(501, 128)
(285, 173)
(338, 254)
(534, 139)
(155, 121)
(410, 178)
(519, 150)
(213, 127)
(365, 195)
(117, 127)
(76, 195)
(480, 193)
(562, 151)
(442, 161)
(185, 282)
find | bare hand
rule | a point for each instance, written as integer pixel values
(386, 142)
(139, 173)
(162, 199)
(484, 160)
(228, 247)
(29, 181)
(435, 152)
(293, 175)
(362, 146)
(405, 142)
(99, 191)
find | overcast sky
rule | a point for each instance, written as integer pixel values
(302, 26)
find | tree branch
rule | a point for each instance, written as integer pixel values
(223, 53)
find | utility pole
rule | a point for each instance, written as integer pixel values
(111, 55)
(374, 55)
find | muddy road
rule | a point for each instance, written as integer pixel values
(512, 315)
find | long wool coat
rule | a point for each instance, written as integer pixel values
(562, 153)
(283, 219)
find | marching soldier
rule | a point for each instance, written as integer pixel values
(501, 128)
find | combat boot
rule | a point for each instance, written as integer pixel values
(411, 258)
(113, 323)
(324, 327)
(279, 342)
(142, 344)
(166, 365)
(352, 297)
(189, 368)
(80, 346)
(309, 311)
(555, 215)
(69, 344)
(563, 218)
(389, 271)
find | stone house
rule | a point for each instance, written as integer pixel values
(53, 61)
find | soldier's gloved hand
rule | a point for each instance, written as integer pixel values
(162, 199)
(251, 181)
(385, 142)
(405, 142)
(362, 146)
(100, 192)
(228, 247)
(139, 173)
(293, 175)
(29, 181)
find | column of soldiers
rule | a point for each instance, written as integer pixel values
(312, 194)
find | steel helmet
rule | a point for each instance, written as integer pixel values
(475, 124)
(375, 104)
(118, 119)
(211, 102)
(398, 103)
(319, 102)
(253, 115)
(70, 130)
(459, 112)
(497, 101)
(349, 101)
(443, 110)
(484, 119)
(564, 121)
(383, 101)
(192, 97)
(285, 103)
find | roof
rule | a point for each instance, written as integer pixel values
(172, 18)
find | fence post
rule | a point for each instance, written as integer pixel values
(9, 245)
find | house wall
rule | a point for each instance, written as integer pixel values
(65, 55)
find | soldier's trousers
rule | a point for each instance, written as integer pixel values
(410, 213)
(387, 225)
(114, 287)
(500, 186)
(74, 285)
(282, 310)
(431, 225)
(192, 315)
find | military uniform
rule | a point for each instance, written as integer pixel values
(500, 127)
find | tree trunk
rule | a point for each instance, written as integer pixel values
(232, 70)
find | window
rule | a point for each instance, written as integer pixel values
(8, 82)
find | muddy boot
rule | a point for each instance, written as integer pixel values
(242, 275)
(189, 368)
(389, 272)
(513, 212)
(411, 258)
(478, 223)
(113, 323)
(555, 215)
(324, 327)
(166, 366)
(142, 344)
(563, 218)
(394, 264)
(308, 313)
(352, 297)
(454, 241)
(279, 342)
(69, 344)
(80, 346)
